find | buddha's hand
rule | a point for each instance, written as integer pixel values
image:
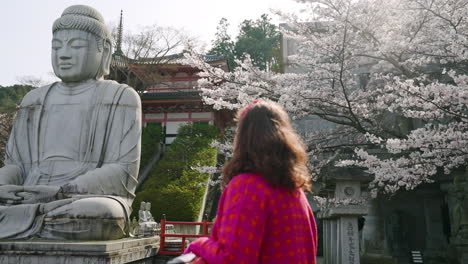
(39, 194)
(10, 194)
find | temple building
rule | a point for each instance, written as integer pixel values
(168, 89)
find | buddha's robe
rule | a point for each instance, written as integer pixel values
(85, 139)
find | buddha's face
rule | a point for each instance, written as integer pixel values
(75, 55)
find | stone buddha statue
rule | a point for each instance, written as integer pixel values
(73, 155)
(147, 225)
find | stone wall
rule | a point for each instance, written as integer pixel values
(407, 221)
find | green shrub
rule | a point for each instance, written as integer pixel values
(173, 188)
(11, 96)
(150, 138)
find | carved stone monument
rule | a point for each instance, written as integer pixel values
(73, 155)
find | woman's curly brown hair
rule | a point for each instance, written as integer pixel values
(265, 143)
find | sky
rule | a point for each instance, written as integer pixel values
(25, 25)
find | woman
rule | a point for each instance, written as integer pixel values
(263, 214)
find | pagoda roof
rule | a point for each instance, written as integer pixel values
(121, 60)
(174, 59)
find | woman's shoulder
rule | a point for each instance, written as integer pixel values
(255, 183)
(248, 178)
(248, 183)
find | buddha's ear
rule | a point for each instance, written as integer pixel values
(106, 58)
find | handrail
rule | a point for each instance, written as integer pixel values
(162, 250)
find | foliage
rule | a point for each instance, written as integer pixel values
(259, 39)
(174, 188)
(389, 77)
(6, 124)
(223, 44)
(150, 138)
(11, 96)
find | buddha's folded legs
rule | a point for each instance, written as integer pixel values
(93, 218)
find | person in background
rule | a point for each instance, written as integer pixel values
(263, 214)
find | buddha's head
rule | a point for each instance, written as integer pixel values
(81, 45)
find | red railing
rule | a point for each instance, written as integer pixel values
(162, 248)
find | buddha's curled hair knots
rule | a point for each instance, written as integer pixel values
(83, 18)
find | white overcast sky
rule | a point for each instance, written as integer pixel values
(25, 25)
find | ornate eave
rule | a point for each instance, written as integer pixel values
(176, 107)
(171, 95)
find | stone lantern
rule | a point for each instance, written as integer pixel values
(340, 221)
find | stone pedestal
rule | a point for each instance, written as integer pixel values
(137, 251)
(341, 243)
(340, 225)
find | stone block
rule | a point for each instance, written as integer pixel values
(339, 211)
(120, 251)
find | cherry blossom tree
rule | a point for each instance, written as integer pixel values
(390, 76)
